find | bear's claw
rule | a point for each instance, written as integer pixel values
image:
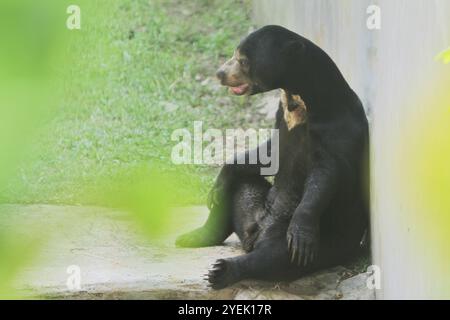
(221, 275)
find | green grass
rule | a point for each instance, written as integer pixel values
(136, 74)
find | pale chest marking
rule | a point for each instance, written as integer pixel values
(294, 109)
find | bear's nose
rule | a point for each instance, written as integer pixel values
(220, 74)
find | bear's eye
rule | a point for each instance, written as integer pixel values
(243, 62)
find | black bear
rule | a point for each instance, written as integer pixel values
(315, 213)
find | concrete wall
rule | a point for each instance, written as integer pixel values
(387, 68)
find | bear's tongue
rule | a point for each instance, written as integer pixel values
(240, 89)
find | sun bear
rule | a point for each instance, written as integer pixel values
(315, 212)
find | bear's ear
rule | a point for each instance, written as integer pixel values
(293, 49)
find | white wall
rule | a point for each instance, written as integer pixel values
(387, 68)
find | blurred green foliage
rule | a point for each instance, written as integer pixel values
(424, 178)
(444, 56)
(32, 48)
(86, 115)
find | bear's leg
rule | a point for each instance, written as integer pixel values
(226, 217)
(248, 210)
(270, 261)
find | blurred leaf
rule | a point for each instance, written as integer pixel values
(444, 56)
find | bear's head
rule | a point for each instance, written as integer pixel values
(270, 58)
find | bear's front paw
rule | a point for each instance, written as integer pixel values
(303, 242)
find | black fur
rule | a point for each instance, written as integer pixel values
(315, 213)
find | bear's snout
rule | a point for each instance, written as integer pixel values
(220, 74)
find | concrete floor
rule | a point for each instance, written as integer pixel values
(115, 261)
